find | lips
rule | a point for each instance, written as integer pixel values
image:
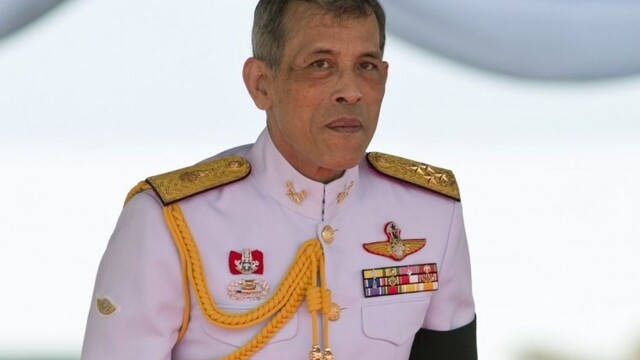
(347, 125)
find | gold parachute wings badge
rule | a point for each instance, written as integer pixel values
(394, 247)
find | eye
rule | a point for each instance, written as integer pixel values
(320, 64)
(368, 65)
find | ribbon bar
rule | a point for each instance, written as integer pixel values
(400, 279)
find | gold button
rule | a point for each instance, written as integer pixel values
(328, 234)
(334, 312)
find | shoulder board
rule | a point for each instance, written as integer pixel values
(183, 183)
(425, 176)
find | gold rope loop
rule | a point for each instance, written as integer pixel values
(281, 305)
(326, 301)
(314, 299)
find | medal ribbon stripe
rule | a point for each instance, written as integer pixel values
(400, 289)
(392, 280)
(399, 270)
(400, 279)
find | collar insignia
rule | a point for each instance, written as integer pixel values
(295, 196)
(342, 195)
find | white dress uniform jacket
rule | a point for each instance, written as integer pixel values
(138, 302)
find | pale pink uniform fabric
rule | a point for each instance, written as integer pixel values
(140, 270)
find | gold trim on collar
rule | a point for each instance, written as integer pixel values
(183, 183)
(426, 176)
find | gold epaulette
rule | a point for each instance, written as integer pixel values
(183, 183)
(426, 176)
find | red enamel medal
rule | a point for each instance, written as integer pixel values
(246, 262)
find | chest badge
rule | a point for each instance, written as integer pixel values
(248, 289)
(394, 247)
(246, 262)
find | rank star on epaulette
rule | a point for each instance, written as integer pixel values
(394, 247)
(425, 176)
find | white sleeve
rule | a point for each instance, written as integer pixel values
(137, 304)
(452, 306)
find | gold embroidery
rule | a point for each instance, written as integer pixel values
(429, 177)
(295, 196)
(179, 184)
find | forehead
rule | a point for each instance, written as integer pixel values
(305, 22)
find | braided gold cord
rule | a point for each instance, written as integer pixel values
(185, 280)
(140, 187)
(284, 302)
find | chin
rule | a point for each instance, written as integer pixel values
(344, 162)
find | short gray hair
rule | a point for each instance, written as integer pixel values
(269, 33)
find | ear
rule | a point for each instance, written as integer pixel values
(385, 69)
(256, 74)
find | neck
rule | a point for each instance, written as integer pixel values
(304, 165)
(324, 176)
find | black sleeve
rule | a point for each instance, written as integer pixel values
(457, 344)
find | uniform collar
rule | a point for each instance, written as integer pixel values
(318, 201)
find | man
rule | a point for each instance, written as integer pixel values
(292, 247)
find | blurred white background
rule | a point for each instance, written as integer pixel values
(101, 94)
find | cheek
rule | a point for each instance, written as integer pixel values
(377, 87)
(294, 96)
(303, 102)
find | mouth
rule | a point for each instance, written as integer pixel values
(345, 125)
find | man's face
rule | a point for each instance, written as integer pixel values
(325, 98)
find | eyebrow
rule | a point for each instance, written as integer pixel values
(374, 54)
(321, 51)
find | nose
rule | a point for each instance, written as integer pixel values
(348, 89)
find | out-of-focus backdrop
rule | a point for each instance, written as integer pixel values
(542, 128)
